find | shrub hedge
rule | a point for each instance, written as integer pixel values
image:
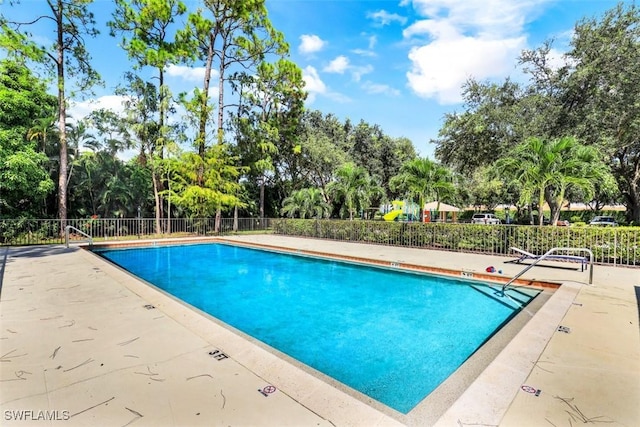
(615, 245)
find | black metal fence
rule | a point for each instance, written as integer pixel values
(610, 245)
(14, 232)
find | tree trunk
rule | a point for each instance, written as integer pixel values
(531, 219)
(169, 206)
(220, 123)
(633, 207)
(262, 198)
(634, 194)
(540, 206)
(235, 218)
(555, 205)
(204, 104)
(221, 71)
(159, 148)
(156, 197)
(62, 123)
(218, 221)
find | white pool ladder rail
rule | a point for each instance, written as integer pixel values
(549, 253)
(82, 233)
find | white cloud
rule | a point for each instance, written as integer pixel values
(434, 29)
(339, 97)
(371, 44)
(310, 43)
(188, 73)
(358, 72)
(80, 109)
(382, 17)
(313, 84)
(364, 52)
(558, 59)
(441, 68)
(376, 88)
(463, 39)
(373, 40)
(339, 65)
(485, 16)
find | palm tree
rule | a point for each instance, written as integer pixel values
(316, 206)
(43, 130)
(77, 136)
(354, 187)
(547, 169)
(307, 202)
(424, 178)
(293, 205)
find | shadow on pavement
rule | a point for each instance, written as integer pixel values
(7, 253)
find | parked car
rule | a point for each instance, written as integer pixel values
(563, 223)
(485, 218)
(604, 221)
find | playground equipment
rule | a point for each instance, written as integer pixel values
(400, 207)
(406, 210)
(391, 216)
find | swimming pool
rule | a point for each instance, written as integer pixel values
(394, 336)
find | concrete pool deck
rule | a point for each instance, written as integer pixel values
(85, 343)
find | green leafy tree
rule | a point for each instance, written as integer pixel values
(423, 178)
(306, 203)
(273, 104)
(220, 187)
(379, 154)
(45, 132)
(78, 136)
(602, 93)
(67, 56)
(111, 130)
(490, 126)
(486, 188)
(143, 128)
(545, 170)
(593, 96)
(323, 143)
(150, 38)
(316, 150)
(24, 181)
(393, 153)
(318, 159)
(353, 189)
(239, 34)
(106, 186)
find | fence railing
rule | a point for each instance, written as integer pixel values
(610, 245)
(15, 232)
(613, 246)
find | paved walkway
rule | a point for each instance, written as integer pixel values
(85, 343)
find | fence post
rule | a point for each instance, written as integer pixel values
(615, 247)
(503, 249)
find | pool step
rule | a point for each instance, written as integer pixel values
(528, 293)
(513, 298)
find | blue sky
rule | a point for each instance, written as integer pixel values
(399, 64)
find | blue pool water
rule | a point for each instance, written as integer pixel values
(393, 336)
